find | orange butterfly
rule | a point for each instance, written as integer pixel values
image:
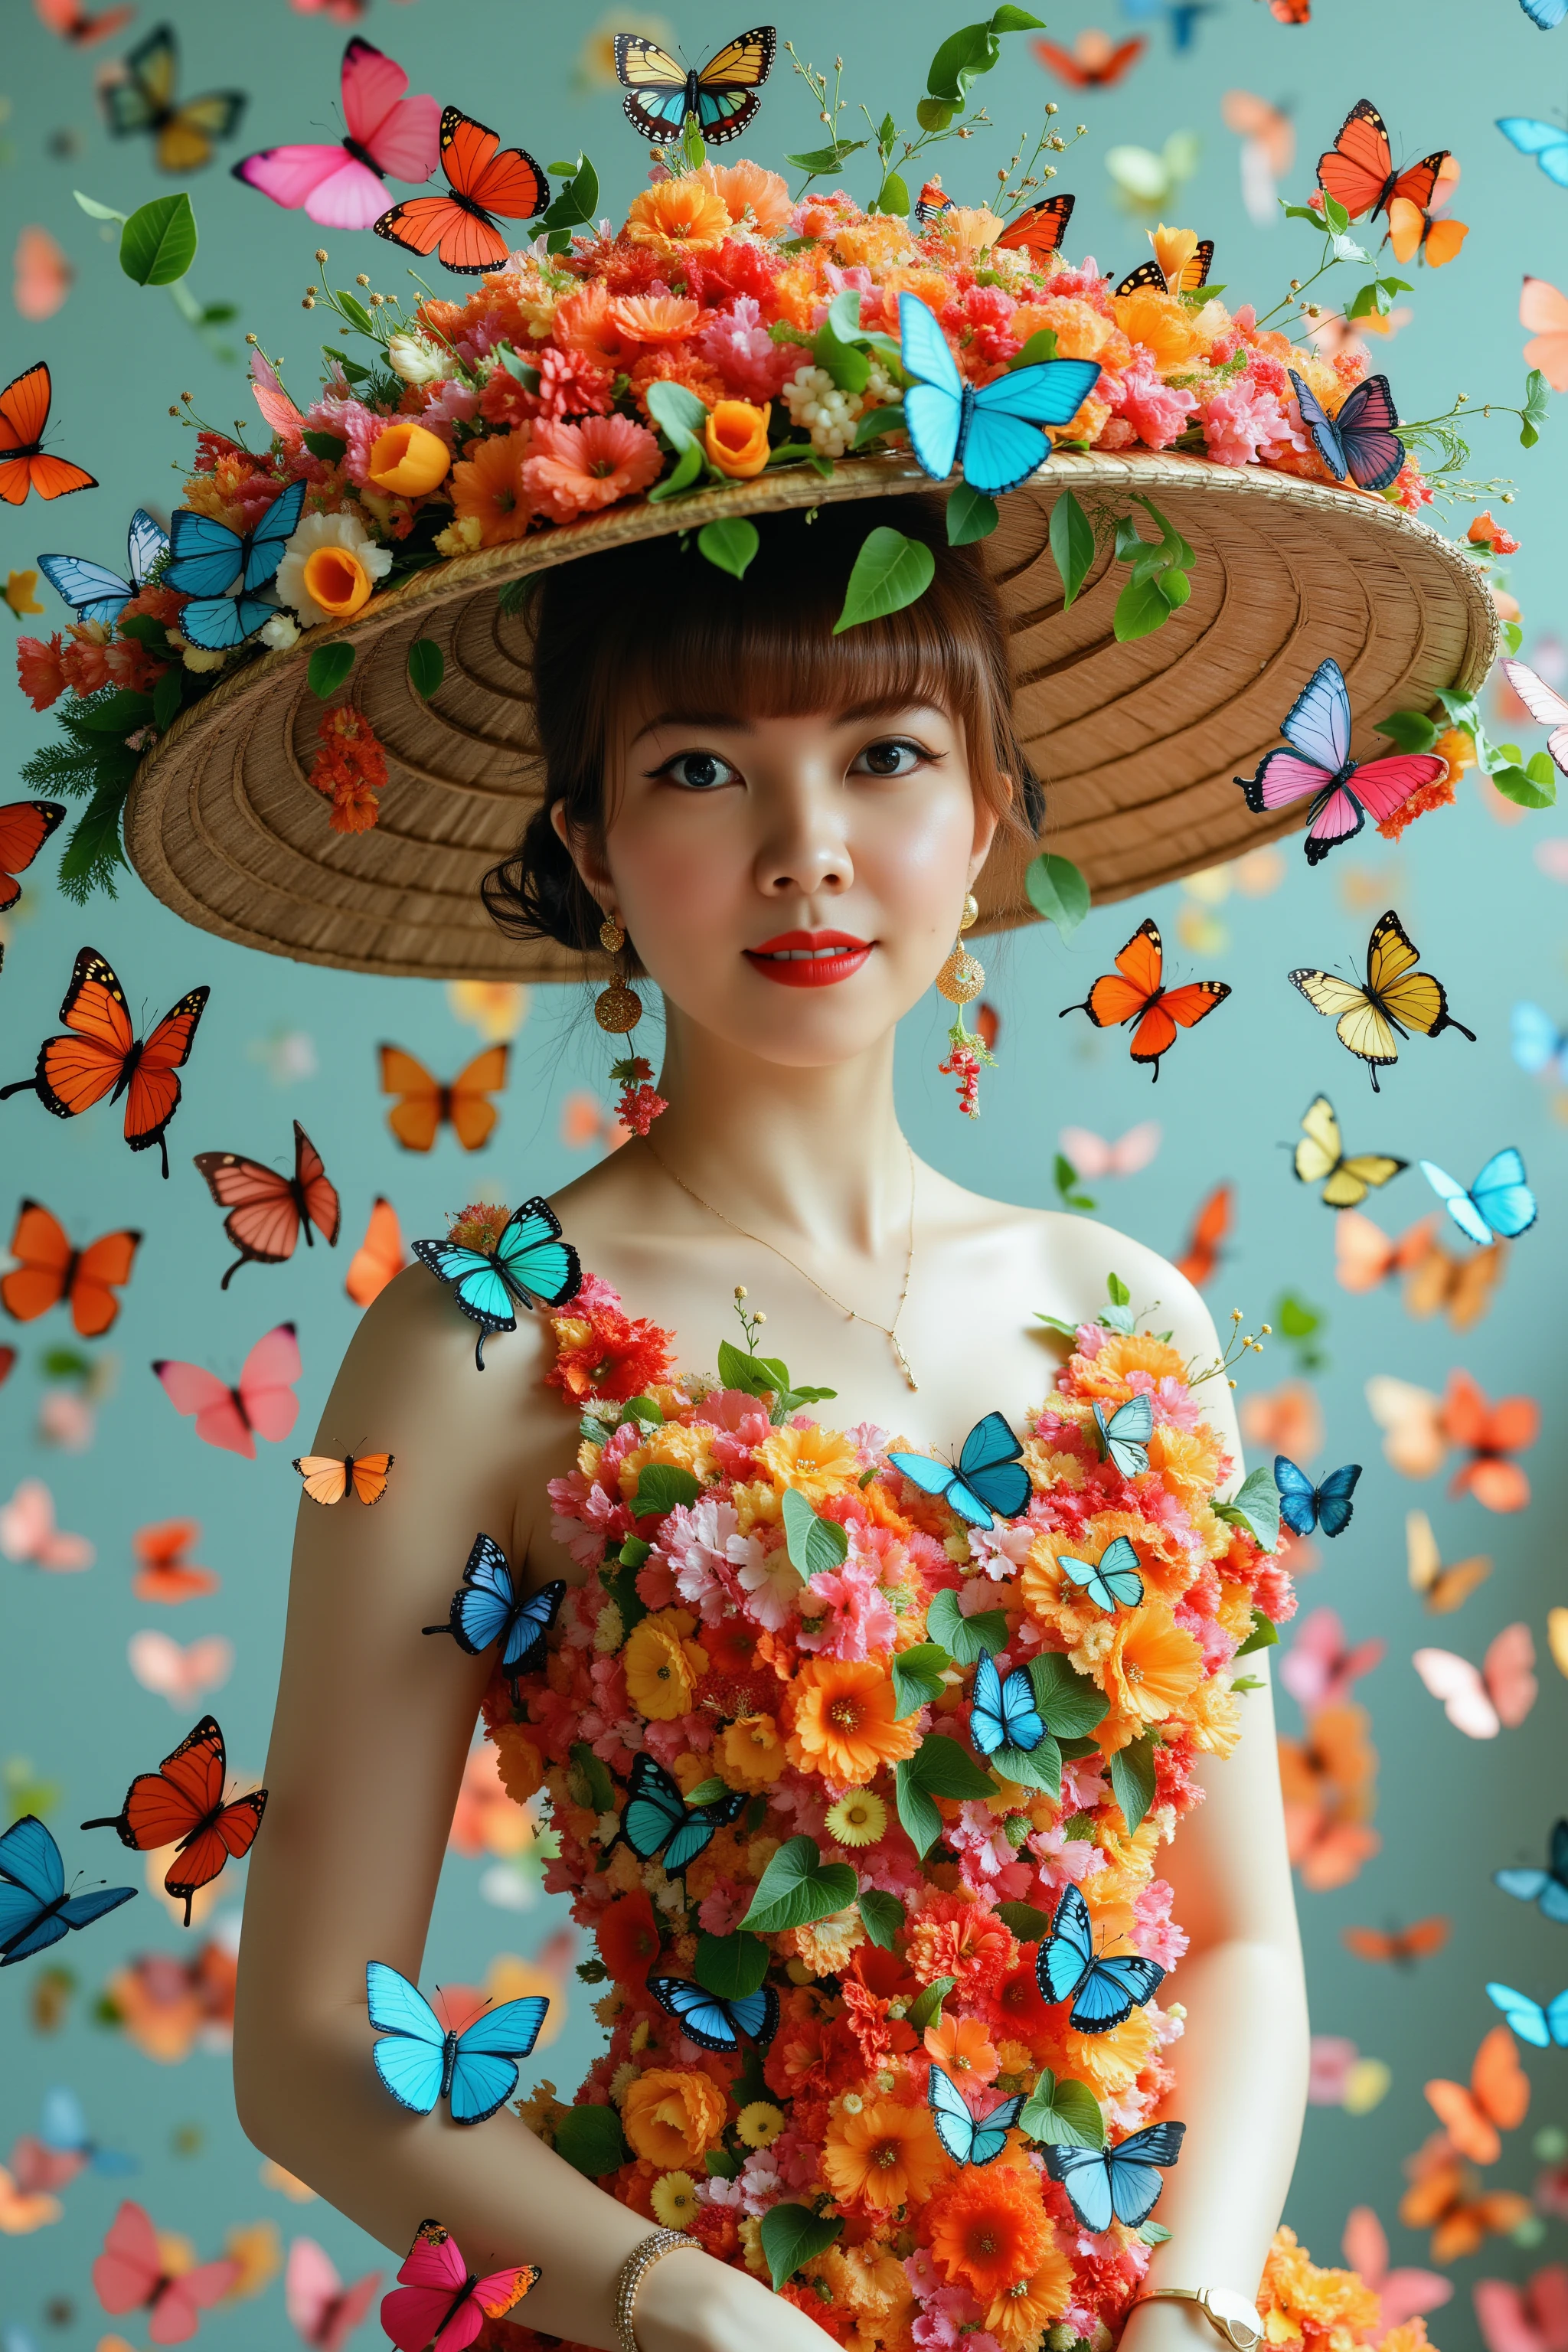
(1436, 1281)
(1490, 1433)
(1442, 2198)
(1402, 1945)
(1211, 1227)
(1442, 1589)
(25, 827)
(1496, 2100)
(183, 1801)
(1290, 12)
(24, 464)
(41, 277)
(426, 1102)
(74, 25)
(1038, 231)
(50, 1273)
(163, 1574)
(1327, 1779)
(1544, 311)
(104, 1056)
(1094, 62)
(1136, 991)
(482, 182)
(379, 1256)
(267, 1212)
(327, 1476)
(1358, 170)
(1414, 230)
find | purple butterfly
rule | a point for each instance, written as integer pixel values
(1360, 440)
(1318, 726)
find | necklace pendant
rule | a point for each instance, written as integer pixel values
(904, 1365)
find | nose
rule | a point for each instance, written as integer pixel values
(804, 852)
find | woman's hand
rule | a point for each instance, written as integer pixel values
(706, 2306)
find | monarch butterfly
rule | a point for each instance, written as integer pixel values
(1396, 999)
(103, 1056)
(1193, 273)
(1136, 991)
(267, 1212)
(1358, 170)
(328, 1476)
(483, 179)
(24, 465)
(182, 1804)
(50, 1273)
(723, 96)
(1496, 2098)
(425, 1104)
(144, 98)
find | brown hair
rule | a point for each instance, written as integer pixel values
(651, 617)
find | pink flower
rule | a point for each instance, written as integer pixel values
(724, 1907)
(354, 424)
(456, 403)
(1245, 423)
(700, 1549)
(575, 469)
(1154, 1933)
(1157, 411)
(735, 342)
(851, 1615)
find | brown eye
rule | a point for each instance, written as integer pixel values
(897, 756)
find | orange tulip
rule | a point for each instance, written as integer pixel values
(336, 581)
(737, 438)
(408, 459)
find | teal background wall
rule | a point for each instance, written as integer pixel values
(281, 1041)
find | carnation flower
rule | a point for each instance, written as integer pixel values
(490, 487)
(328, 568)
(677, 216)
(573, 469)
(885, 2156)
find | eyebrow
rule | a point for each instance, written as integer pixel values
(873, 706)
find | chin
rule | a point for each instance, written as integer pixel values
(799, 1028)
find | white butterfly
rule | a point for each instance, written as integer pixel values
(179, 1674)
(1092, 1156)
(1545, 705)
(1481, 1700)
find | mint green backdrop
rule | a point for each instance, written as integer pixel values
(1486, 915)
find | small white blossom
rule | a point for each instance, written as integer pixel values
(829, 415)
(416, 360)
(280, 632)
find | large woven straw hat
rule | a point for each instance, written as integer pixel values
(1138, 745)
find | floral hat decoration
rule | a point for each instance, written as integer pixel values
(306, 723)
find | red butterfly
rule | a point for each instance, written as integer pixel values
(1136, 991)
(266, 1211)
(128, 2276)
(163, 1572)
(262, 1403)
(482, 182)
(74, 25)
(1211, 1228)
(1040, 230)
(1094, 61)
(48, 1272)
(183, 1803)
(439, 2303)
(25, 827)
(104, 1056)
(1358, 170)
(24, 465)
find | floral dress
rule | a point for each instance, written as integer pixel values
(767, 1724)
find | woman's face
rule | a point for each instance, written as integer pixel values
(793, 885)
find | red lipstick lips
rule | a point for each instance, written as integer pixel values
(809, 959)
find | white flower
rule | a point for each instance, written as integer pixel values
(771, 1582)
(416, 360)
(280, 632)
(830, 416)
(344, 530)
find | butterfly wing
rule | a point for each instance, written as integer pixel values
(416, 1116)
(934, 405)
(264, 548)
(1119, 1575)
(25, 827)
(484, 1604)
(1039, 230)
(951, 2115)
(1132, 2179)
(101, 1268)
(1359, 166)
(206, 558)
(1112, 1989)
(1373, 451)
(1525, 2017)
(729, 88)
(475, 1283)
(401, 135)
(1126, 1435)
(1004, 446)
(267, 1383)
(655, 1808)
(192, 1390)
(1465, 1698)
(987, 1727)
(1507, 1670)
(1320, 425)
(1023, 1726)
(1298, 1497)
(153, 1096)
(933, 1477)
(1335, 1508)
(263, 1223)
(1119, 996)
(1501, 1192)
(128, 2270)
(470, 1111)
(1457, 1203)
(989, 1465)
(409, 2059)
(163, 1807)
(369, 1475)
(1321, 1148)
(533, 1258)
(1317, 723)
(43, 1252)
(93, 592)
(378, 1257)
(326, 184)
(1546, 708)
(1064, 1956)
(325, 1476)
(531, 1623)
(1358, 1022)
(319, 1194)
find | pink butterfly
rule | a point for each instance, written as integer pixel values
(128, 2276)
(439, 2303)
(274, 402)
(1548, 710)
(1405, 2294)
(180, 1675)
(1092, 1156)
(1319, 766)
(320, 2305)
(1317, 1670)
(28, 1531)
(344, 186)
(36, 2169)
(263, 1404)
(1478, 1701)
(1529, 2319)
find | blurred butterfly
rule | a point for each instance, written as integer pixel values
(182, 1804)
(1339, 2076)
(1442, 1589)
(92, 590)
(1499, 1204)
(485, 1609)
(1496, 2100)
(143, 97)
(1304, 1506)
(483, 179)
(163, 1574)
(1532, 2317)
(1181, 17)
(464, 1106)
(1401, 1948)
(24, 465)
(1193, 273)
(1547, 142)
(1114, 1582)
(1360, 442)
(323, 2312)
(50, 1273)
(41, 277)
(28, 1532)
(714, 2022)
(1200, 1261)
(1532, 2023)
(993, 434)
(1402, 2295)
(379, 1256)
(103, 1056)
(267, 1212)
(1547, 1889)
(1328, 1783)
(1286, 1420)
(1318, 769)
(1149, 183)
(1124, 1435)
(1005, 1714)
(1267, 150)
(1094, 61)
(1481, 1701)
(62, 2127)
(1136, 991)
(328, 1478)
(584, 1122)
(966, 2140)
(1394, 1001)
(1093, 1157)
(420, 2061)
(530, 1264)
(658, 1821)
(35, 1909)
(130, 2275)
(1358, 170)
(76, 25)
(25, 827)
(440, 2304)
(1318, 1669)
(723, 96)
(1539, 1045)
(1489, 1433)
(1320, 1158)
(389, 136)
(1116, 2183)
(989, 1481)
(1104, 1992)
(206, 559)
(1544, 311)
(1444, 2197)
(262, 1403)
(1545, 705)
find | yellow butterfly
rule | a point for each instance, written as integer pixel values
(144, 97)
(1396, 999)
(1320, 1158)
(1441, 1587)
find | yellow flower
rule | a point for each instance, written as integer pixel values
(1173, 249)
(751, 1754)
(970, 229)
(674, 2199)
(859, 1818)
(817, 1462)
(736, 437)
(1152, 1665)
(676, 216)
(760, 2123)
(683, 1448)
(826, 1944)
(1127, 1351)
(662, 1667)
(844, 1720)
(1160, 323)
(1187, 1461)
(409, 459)
(21, 590)
(888, 2155)
(1110, 2062)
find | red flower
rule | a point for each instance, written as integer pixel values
(1484, 532)
(40, 670)
(351, 769)
(603, 1351)
(627, 1934)
(1017, 2011)
(85, 660)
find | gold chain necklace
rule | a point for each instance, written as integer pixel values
(890, 1330)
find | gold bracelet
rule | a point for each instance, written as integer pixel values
(1227, 2310)
(635, 2269)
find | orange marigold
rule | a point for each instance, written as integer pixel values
(988, 2229)
(843, 1715)
(958, 1936)
(672, 2116)
(1295, 2298)
(488, 486)
(888, 2155)
(1017, 2315)
(676, 216)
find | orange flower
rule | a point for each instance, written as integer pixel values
(1019, 2313)
(519, 1762)
(662, 1666)
(1161, 323)
(1125, 1351)
(1152, 1665)
(655, 318)
(589, 322)
(843, 1719)
(961, 2047)
(576, 469)
(335, 580)
(1458, 747)
(488, 486)
(751, 1754)
(957, 1935)
(1295, 2296)
(676, 216)
(1173, 249)
(349, 768)
(989, 2229)
(408, 459)
(672, 2117)
(818, 1461)
(1110, 2062)
(743, 188)
(885, 2156)
(736, 437)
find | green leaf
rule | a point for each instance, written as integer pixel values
(590, 2138)
(730, 1966)
(710, 1791)
(1015, 20)
(1175, 586)
(1411, 730)
(966, 1639)
(827, 159)
(1027, 1923)
(730, 544)
(1031, 1767)
(328, 668)
(1132, 1780)
(1041, 347)
(1153, 2233)
(427, 666)
(917, 1677)
(121, 714)
(1063, 2114)
(578, 200)
(1071, 1704)
(1533, 787)
(1057, 889)
(660, 1487)
(881, 1916)
(890, 573)
(939, 1768)
(969, 515)
(720, 2165)
(167, 696)
(797, 1887)
(926, 2007)
(356, 314)
(328, 446)
(96, 211)
(158, 243)
(815, 1545)
(793, 2234)
(737, 1369)
(1072, 550)
(1335, 217)
(648, 1413)
(1512, 636)
(598, 1789)
(872, 424)
(893, 197)
(935, 113)
(679, 415)
(1255, 1506)
(1140, 609)
(146, 630)
(93, 852)
(1264, 1635)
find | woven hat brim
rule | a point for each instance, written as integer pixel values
(1138, 745)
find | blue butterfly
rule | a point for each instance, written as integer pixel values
(1103, 1993)
(93, 592)
(1547, 142)
(485, 1609)
(967, 2141)
(657, 1815)
(1113, 1582)
(1121, 2182)
(995, 432)
(1537, 1042)
(206, 559)
(530, 1262)
(989, 1480)
(420, 2062)
(1304, 1506)
(1548, 1888)
(35, 1909)
(1360, 440)
(1124, 1435)
(64, 2126)
(1547, 14)
(1005, 1714)
(715, 2023)
(1499, 1204)
(1541, 2027)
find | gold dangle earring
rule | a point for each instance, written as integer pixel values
(617, 1009)
(961, 980)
